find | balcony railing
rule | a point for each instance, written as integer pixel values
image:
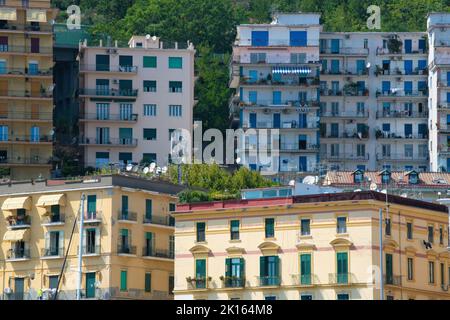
(389, 135)
(346, 51)
(25, 161)
(111, 141)
(127, 216)
(345, 156)
(345, 114)
(52, 252)
(233, 282)
(444, 106)
(26, 94)
(291, 82)
(340, 278)
(27, 116)
(109, 92)
(26, 72)
(400, 72)
(443, 127)
(128, 249)
(391, 279)
(159, 220)
(90, 250)
(54, 219)
(269, 281)
(401, 114)
(279, 61)
(110, 117)
(15, 222)
(15, 254)
(25, 27)
(198, 283)
(24, 49)
(157, 253)
(92, 217)
(383, 51)
(281, 104)
(399, 157)
(402, 93)
(303, 279)
(346, 135)
(25, 138)
(283, 125)
(298, 147)
(108, 68)
(330, 92)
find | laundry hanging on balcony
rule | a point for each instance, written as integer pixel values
(291, 70)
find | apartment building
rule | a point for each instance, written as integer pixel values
(127, 246)
(26, 88)
(312, 247)
(438, 25)
(275, 70)
(132, 98)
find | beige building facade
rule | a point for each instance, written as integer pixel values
(127, 242)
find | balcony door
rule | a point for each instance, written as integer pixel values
(102, 136)
(35, 44)
(34, 134)
(19, 288)
(90, 285)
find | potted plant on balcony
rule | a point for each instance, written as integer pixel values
(394, 45)
(378, 134)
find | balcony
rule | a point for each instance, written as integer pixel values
(109, 93)
(273, 60)
(340, 278)
(52, 253)
(422, 94)
(112, 142)
(13, 27)
(199, 283)
(283, 125)
(304, 106)
(127, 216)
(26, 116)
(41, 95)
(444, 107)
(402, 157)
(383, 51)
(232, 282)
(291, 82)
(298, 147)
(25, 72)
(160, 220)
(90, 250)
(346, 135)
(399, 72)
(345, 51)
(269, 281)
(304, 280)
(127, 250)
(347, 73)
(393, 136)
(18, 254)
(157, 253)
(25, 139)
(94, 217)
(109, 118)
(330, 92)
(53, 220)
(345, 114)
(392, 280)
(15, 222)
(444, 84)
(109, 68)
(345, 156)
(24, 161)
(401, 114)
(444, 127)
(5, 49)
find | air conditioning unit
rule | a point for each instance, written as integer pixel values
(115, 81)
(443, 29)
(399, 79)
(266, 110)
(347, 36)
(111, 51)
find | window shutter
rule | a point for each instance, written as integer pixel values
(61, 241)
(228, 267)
(97, 237)
(262, 266)
(242, 268)
(148, 282)
(47, 240)
(277, 266)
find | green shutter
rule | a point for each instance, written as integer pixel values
(270, 230)
(263, 267)
(228, 267)
(149, 235)
(277, 266)
(124, 204)
(200, 268)
(305, 266)
(150, 62)
(175, 62)
(148, 282)
(55, 210)
(389, 270)
(92, 203)
(342, 267)
(242, 268)
(148, 208)
(123, 280)
(124, 232)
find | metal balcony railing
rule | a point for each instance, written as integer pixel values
(90, 249)
(25, 49)
(160, 220)
(402, 93)
(108, 68)
(281, 104)
(25, 27)
(15, 222)
(269, 281)
(25, 94)
(198, 283)
(14, 254)
(92, 217)
(401, 114)
(26, 138)
(54, 219)
(299, 147)
(400, 72)
(290, 82)
(340, 278)
(26, 72)
(127, 249)
(283, 125)
(304, 279)
(391, 279)
(52, 252)
(233, 282)
(345, 156)
(157, 253)
(131, 142)
(346, 51)
(109, 92)
(345, 114)
(399, 156)
(26, 116)
(389, 135)
(345, 135)
(24, 160)
(110, 117)
(127, 215)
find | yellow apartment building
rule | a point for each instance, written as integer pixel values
(26, 87)
(324, 246)
(127, 243)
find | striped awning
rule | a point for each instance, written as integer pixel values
(8, 14)
(17, 203)
(17, 235)
(51, 200)
(291, 70)
(36, 15)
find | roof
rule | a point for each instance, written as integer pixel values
(431, 180)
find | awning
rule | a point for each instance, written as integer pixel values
(51, 200)
(17, 235)
(17, 203)
(291, 70)
(36, 15)
(8, 14)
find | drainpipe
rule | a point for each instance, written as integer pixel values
(400, 252)
(446, 202)
(381, 255)
(4, 279)
(80, 248)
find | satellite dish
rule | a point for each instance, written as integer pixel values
(152, 166)
(357, 190)
(158, 170)
(129, 167)
(404, 195)
(368, 65)
(147, 37)
(164, 169)
(135, 168)
(309, 180)
(292, 183)
(146, 170)
(154, 38)
(383, 191)
(238, 160)
(373, 186)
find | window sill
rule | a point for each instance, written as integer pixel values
(341, 235)
(305, 237)
(236, 241)
(270, 239)
(201, 242)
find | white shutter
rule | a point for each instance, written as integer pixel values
(61, 242)
(97, 237)
(47, 240)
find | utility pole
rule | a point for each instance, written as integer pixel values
(381, 256)
(80, 247)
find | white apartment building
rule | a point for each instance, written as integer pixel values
(132, 98)
(438, 25)
(369, 111)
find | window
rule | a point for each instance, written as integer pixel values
(148, 209)
(269, 270)
(150, 62)
(148, 158)
(389, 269)
(201, 226)
(430, 234)
(53, 282)
(341, 225)
(54, 243)
(410, 268)
(388, 226)
(409, 230)
(234, 229)
(305, 268)
(441, 235)
(175, 63)
(149, 134)
(269, 227)
(305, 227)
(342, 267)
(175, 110)
(150, 110)
(171, 284)
(149, 86)
(172, 246)
(298, 38)
(148, 282)
(343, 296)
(200, 273)
(306, 297)
(270, 298)
(123, 280)
(442, 274)
(175, 86)
(234, 272)
(431, 272)
(126, 111)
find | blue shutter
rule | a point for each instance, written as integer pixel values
(408, 85)
(260, 38)
(276, 95)
(408, 45)
(298, 38)
(408, 66)
(386, 86)
(422, 64)
(335, 44)
(252, 120)
(276, 120)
